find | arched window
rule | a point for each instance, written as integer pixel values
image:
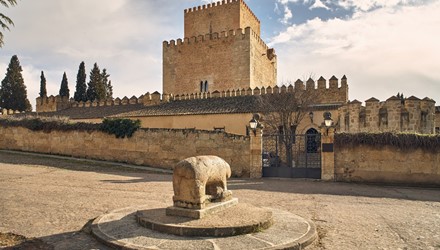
(313, 140)
(206, 86)
(201, 86)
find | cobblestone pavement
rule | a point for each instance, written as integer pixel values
(52, 199)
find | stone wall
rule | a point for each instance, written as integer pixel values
(387, 165)
(393, 115)
(52, 103)
(222, 49)
(161, 148)
(437, 120)
(220, 59)
(219, 16)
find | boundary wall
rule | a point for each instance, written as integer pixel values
(387, 165)
(161, 148)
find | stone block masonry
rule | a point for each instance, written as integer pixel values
(387, 165)
(161, 148)
(222, 50)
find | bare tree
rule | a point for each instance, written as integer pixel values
(283, 112)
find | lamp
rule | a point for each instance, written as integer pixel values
(311, 116)
(328, 119)
(253, 123)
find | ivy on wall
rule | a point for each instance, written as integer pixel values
(121, 128)
(403, 141)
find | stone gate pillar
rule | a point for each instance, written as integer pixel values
(256, 150)
(327, 153)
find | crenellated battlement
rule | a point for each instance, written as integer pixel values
(258, 39)
(218, 17)
(209, 6)
(393, 115)
(334, 93)
(52, 103)
(238, 34)
(6, 112)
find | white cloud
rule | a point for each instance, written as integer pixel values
(287, 15)
(384, 51)
(120, 35)
(368, 5)
(319, 4)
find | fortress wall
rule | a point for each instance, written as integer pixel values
(263, 63)
(324, 95)
(386, 165)
(248, 18)
(222, 59)
(161, 148)
(52, 103)
(392, 115)
(437, 122)
(219, 16)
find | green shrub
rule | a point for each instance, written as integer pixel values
(121, 128)
(403, 141)
(47, 124)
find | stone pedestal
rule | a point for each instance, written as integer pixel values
(200, 213)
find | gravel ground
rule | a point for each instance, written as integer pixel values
(53, 199)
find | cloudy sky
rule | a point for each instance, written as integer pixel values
(383, 46)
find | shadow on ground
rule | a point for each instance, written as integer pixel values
(295, 186)
(84, 165)
(308, 186)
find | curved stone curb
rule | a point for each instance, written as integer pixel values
(255, 220)
(119, 229)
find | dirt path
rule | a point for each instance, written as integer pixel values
(52, 199)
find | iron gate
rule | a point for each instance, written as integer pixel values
(303, 161)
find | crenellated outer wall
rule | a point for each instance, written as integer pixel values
(393, 115)
(52, 103)
(334, 93)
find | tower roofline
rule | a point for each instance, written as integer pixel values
(219, 3)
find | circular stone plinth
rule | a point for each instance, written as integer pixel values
(119, 229)
(239, 219)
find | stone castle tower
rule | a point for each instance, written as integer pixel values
(222, 50)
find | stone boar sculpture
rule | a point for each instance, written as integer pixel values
(198, 181)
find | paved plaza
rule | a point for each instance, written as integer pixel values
(54, 198)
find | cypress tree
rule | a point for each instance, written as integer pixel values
(81, 86)
(105, 83)
(13, 94)
(101, 86)
(109, 90)
(94, 82)
(64, 89)
(43, 91)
